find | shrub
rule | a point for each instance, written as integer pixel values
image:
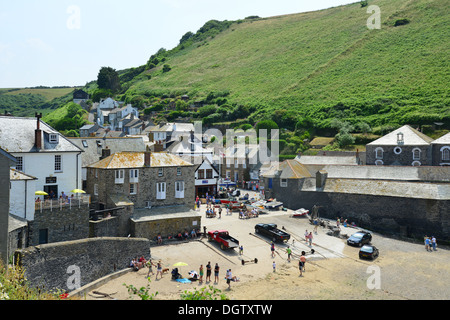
(401, 22)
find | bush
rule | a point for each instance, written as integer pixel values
(401, 22)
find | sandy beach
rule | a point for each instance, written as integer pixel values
(403, 270)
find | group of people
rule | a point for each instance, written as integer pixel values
(430, 243)
(63, 198)
(254, 213)
(308, 237)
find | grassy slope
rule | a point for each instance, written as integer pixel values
(312, 61)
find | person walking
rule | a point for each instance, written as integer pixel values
(274, 266)
(433, 243)
(229, 277)
(201, 273)
(216, 273)
(301, 263)
(241, 250)
(150, 269)
(427, 243)
(272, 249)
(289, 252)
(158, 269)
(306, 235)
(208, 271)
(310, 237)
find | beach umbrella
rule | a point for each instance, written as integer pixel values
(180, 264)
(78, 191)
(41, 193)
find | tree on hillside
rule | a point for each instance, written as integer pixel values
(108, 79)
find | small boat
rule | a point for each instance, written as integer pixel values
(302, 212)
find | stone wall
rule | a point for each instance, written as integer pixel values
(57, 265)
(165, 226)
(409, 217)
(4, 206)
(404, 158)
(61, 224)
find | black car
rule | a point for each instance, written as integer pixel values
(359, 238)
(270, 230)
(368, 251)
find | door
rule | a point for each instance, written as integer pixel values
(161, 190)
(43, 236)
(52, 190)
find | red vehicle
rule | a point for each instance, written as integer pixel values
(224, 238)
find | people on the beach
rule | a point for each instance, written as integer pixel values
(216, 273)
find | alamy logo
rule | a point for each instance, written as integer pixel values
(374, 21)
(374, 280)
(74, 20)
(74, 280)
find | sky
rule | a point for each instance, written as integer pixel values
(65, 43)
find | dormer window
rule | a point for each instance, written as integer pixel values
(400, 138)
(53, 138)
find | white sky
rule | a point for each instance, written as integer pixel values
(60, 42)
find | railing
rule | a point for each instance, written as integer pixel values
(60, 204)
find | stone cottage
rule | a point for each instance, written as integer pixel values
(145, 191)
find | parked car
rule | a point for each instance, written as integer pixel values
(368, 251)
(223, 237)
(359, 238)
(270, 230)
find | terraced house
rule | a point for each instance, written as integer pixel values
(145, 179)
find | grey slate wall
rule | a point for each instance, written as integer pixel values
(50, 265)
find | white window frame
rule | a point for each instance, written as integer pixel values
(228, 174)
(148, 204)
(119, 174)
(178, 171)
(283, 183)
(19, 164)
(414, 153)
(133, 188)
(379, 162)
(53, 138)
(236, 163)
(377, 153)
(179, 189)
(445, 153)
(160, 172)
(58, 164)
(95, 189)
(416, 163)
(134, 175)
(160, 190)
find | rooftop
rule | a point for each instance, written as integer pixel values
(18, 135)
(445, 139)
(411, 137)
(126, 159)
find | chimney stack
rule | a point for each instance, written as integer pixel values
(106, 152)
(147, 157)
(38, 132)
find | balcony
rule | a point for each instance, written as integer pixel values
(78, 201)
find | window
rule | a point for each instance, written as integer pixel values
(178, 171)
(228, 162)
(209, 173)
(134, 175)
(84, 142)
(201, 174)
(397, 150)
(160, 190)
(283, 183)
(19, 163)
(53, 138)
(58, 163)
(416, 163)
(179, 189)
(148, 204)
(445, 154)
(96, 189)
(244, 164)
(160, 172)
(416, 154)
(379, 153)
(236, 164)
(119, 176)
(133, 188)
(379, 162)
(228, 174)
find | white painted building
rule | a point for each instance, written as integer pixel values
(42, 152)
(21, 195)
(206, 179)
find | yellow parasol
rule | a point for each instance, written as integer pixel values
(41, 193)
(78, 191)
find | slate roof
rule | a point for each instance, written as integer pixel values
(411, 137)
(121, 160)
(445, 139)
(17, 135)
(94, 146)
(292, 169)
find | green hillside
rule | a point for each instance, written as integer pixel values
(319, 65)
